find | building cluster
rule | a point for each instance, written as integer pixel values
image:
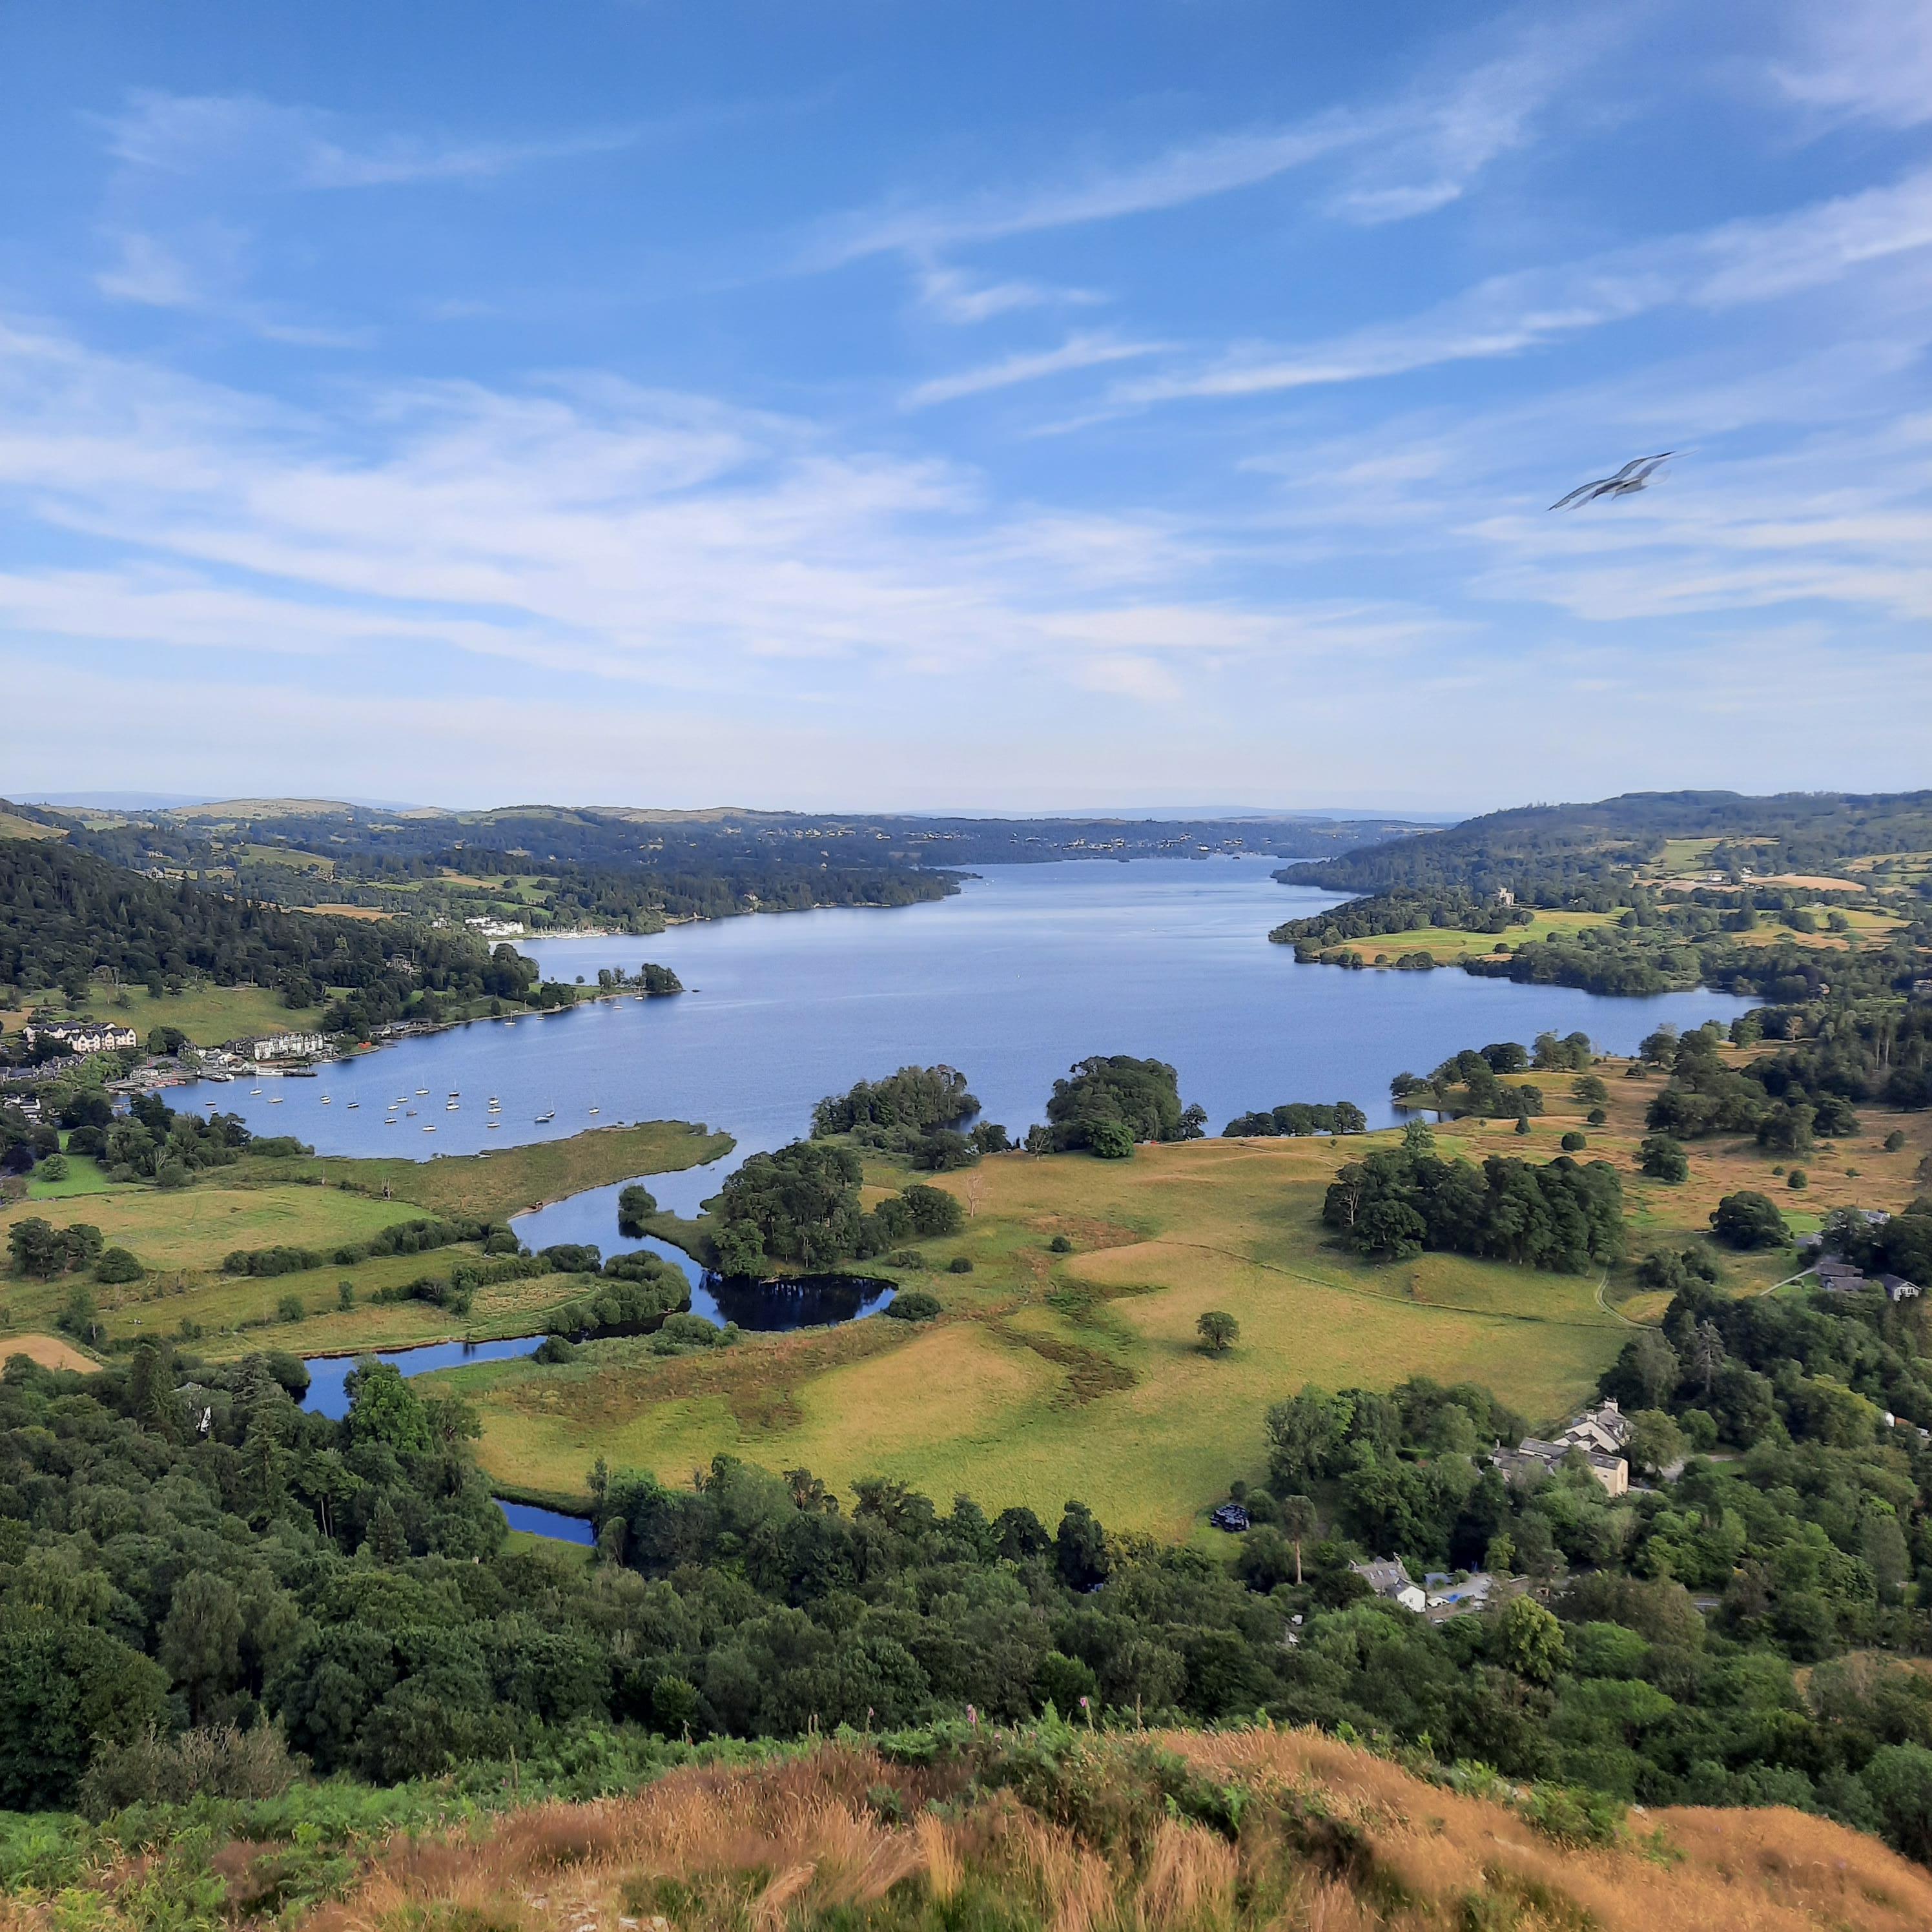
(1842, 1277)
(80, 1038)
(290, 1046)
(1440, 1594)
(1599, 1435)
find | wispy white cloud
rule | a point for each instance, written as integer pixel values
(1406, 155)
(955, 296)
(301, 147)
(204, 272)
(588, 527)
(1077, 351)
(1863, 59)
(1759, 259)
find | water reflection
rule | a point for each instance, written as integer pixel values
(777, 1307)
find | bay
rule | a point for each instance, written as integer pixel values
(1028, 969)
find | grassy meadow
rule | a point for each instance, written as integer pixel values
(1048, 1374)
(1051, 1376)
(207, 1014)
(182, 1236)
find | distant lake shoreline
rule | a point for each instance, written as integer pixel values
(1026, 969)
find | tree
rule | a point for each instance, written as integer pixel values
(1143, 1095)
(635, 1207)
(1080, 1549)
(201, 1640)
(66, 1689)
(1663, 1158)
(1899, 1778)
(1219, 1331)
(1529, 1640)
(1300, 1523)
(1110, 1140)
(1748, 1220)
(1656, 1442)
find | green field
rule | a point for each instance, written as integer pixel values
(1052, 1375)
(84, 1177)
(207, 1014)
(182, 1237)
(494, 1186)
(1449, 945)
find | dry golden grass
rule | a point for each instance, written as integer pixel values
(1333, 1838)
(50, 1351)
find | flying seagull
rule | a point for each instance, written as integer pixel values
(1634, 476)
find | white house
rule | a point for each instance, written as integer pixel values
(291, 1046)
(1389, 1579)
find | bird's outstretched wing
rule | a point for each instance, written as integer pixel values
(1635, 475)
(1583, 491)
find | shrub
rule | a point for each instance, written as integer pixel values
(635, 1206)
(1748, 1220)
(1059, 1245)
(1894, 1141)
(1574, 1142)
(959, 1264)
(913, 1304)
(117, 1264)
(290, 1309)
(553, 1351)
(54, 1168)
(1596, 1117)
(1797, 1178)
(1663, 1158)
(1110, 1140)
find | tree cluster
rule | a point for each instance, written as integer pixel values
(1297, 1117)
(799, 1206)
(1140, 1098)
(1563, 1215)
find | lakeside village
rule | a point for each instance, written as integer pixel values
(63, 1048)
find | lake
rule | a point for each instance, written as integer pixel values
(1030, 968)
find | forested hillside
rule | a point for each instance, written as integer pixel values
(1784, 899)
(66, 915)
(1566, 855)
(183, 1548)
(564, 867)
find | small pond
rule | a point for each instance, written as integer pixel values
(549, 1522)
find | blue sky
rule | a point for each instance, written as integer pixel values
(964, 406)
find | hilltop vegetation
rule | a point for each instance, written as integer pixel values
(1788, 898)
(559, 869)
